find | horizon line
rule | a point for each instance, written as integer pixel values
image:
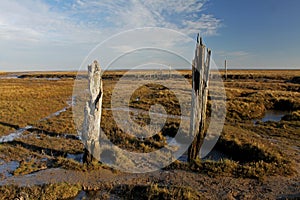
(181, 69)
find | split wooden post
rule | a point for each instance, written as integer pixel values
(92, 112)
(200, 79)
(225, 65)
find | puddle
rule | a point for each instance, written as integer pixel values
(67, 136)
(11, 137)
(53, 79)
(6, 168)
(42, 78)
(82, 195)
(214, 155)
(76, 157)
(9, 76)
(272, 115)
(96, 195)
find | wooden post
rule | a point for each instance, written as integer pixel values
(200, 78)
(92, 112)
(225, 64)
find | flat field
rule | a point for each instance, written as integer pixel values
(257, 155)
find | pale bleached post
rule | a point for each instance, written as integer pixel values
(92, 112)
(225, 65)
(200, 78)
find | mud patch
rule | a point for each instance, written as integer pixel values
(7, 168)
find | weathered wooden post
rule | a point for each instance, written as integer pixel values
(200, 78)
(225, 65)
(92, 112)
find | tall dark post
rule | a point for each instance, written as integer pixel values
(200, 78)
(225, 65)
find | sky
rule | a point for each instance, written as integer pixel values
(45, 35)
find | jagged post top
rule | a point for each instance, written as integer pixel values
(94, 67)
(199, 40)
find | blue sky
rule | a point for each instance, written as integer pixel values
(59, 34)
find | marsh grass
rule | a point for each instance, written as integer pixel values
(30, 166)
(156, 191)
(45, 192)
(26, 101)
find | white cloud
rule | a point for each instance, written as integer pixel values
(182, 15)
(66, 28)
(35, 20)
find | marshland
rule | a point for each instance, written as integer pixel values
(256, 156)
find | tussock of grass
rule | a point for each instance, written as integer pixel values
(294, 116)
(251, 157)
(286, 104)
(155, 191)
(44, 192)
(69, 164)
(246, 146)
(242, 110)
(27, 167)
(9, 152)
(256, 170)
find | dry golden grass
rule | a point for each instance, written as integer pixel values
(273, 74)
(156, 191)
(45, 192)
(26, 101)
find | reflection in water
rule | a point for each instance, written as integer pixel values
(214, 155)
(9, 76)
(76, 157)
(6, 168)
(272, 115)
(11, 137)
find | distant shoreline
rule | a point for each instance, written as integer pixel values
(122, 70)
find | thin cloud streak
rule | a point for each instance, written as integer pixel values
(78, 25)
(232, 53)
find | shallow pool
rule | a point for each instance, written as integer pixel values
(272, 115)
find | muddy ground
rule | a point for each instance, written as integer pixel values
(260, 138)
